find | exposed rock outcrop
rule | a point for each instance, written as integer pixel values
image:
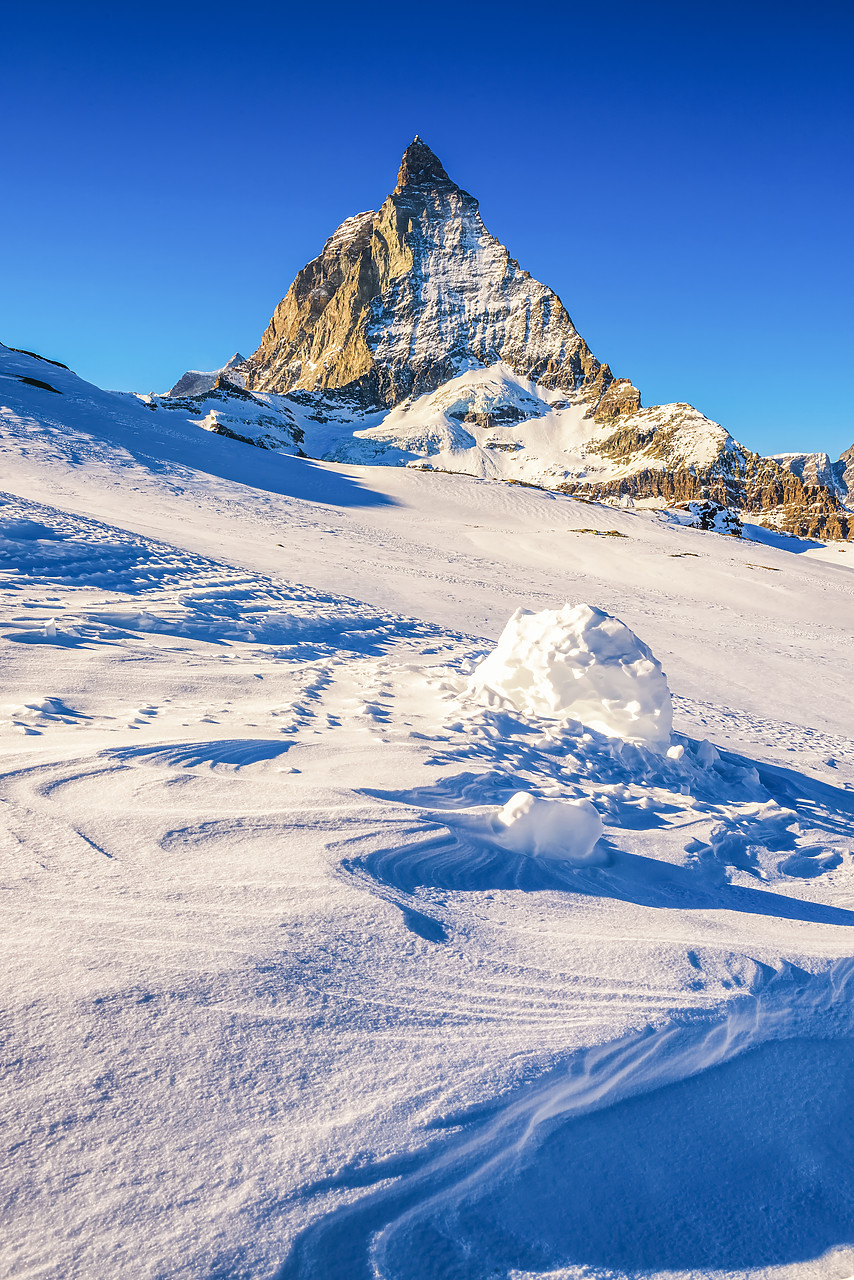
(734, 477)
(227, 409)
(843, 474)
(812, 468)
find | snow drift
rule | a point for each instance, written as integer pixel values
(549, 828)
(579, 663)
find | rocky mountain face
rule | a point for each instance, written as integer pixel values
(812, 468)
(817, 469)
(802, 501)
(402, 300)
(415, 339)
(843, 473)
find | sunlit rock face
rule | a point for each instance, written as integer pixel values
(402, 300)
(196, 383)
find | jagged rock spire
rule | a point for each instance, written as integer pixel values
(419, 166)
(403, 299)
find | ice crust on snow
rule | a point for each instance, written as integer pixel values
(549, 828)
(579, 663)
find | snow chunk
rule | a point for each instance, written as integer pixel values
(549, 828)
(580, 663)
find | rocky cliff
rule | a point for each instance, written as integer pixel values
(665, 463)
(843, 474)
(402, 300)
(195, 383)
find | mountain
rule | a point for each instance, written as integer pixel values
(402, 300)
(812, 468)
(817, 468)
(414, 338)
(843, 472)
(227, 409)
(194, 383)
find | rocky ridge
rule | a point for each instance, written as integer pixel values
(760, 488)
(843, 471)
(195, 383)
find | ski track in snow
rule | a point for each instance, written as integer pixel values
(281, 1004)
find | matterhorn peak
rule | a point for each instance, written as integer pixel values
(416, 324)
(405, 298)
(419, 166)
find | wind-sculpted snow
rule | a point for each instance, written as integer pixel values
(175, 594)
(456, 839)
(642, 1156)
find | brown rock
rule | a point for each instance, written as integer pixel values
(401, 300)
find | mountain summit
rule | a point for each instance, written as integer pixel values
(401, 300)
(419, 166)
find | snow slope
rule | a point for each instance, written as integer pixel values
(280, 999)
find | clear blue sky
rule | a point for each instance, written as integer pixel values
(681, 174)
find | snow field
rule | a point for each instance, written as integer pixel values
(279, 997)
(635, 1159)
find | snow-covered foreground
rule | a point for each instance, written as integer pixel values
(281, 995)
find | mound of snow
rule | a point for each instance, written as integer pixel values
(579, 663)
(549, 828)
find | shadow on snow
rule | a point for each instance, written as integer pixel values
(725, 1155)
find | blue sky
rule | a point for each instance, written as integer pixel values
(680, 174)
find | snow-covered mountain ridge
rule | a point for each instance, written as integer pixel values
(414, 338)
(492, 424)
(818, 469)
(195, 383)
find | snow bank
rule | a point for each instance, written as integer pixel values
(549, 828)
(582, 664)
